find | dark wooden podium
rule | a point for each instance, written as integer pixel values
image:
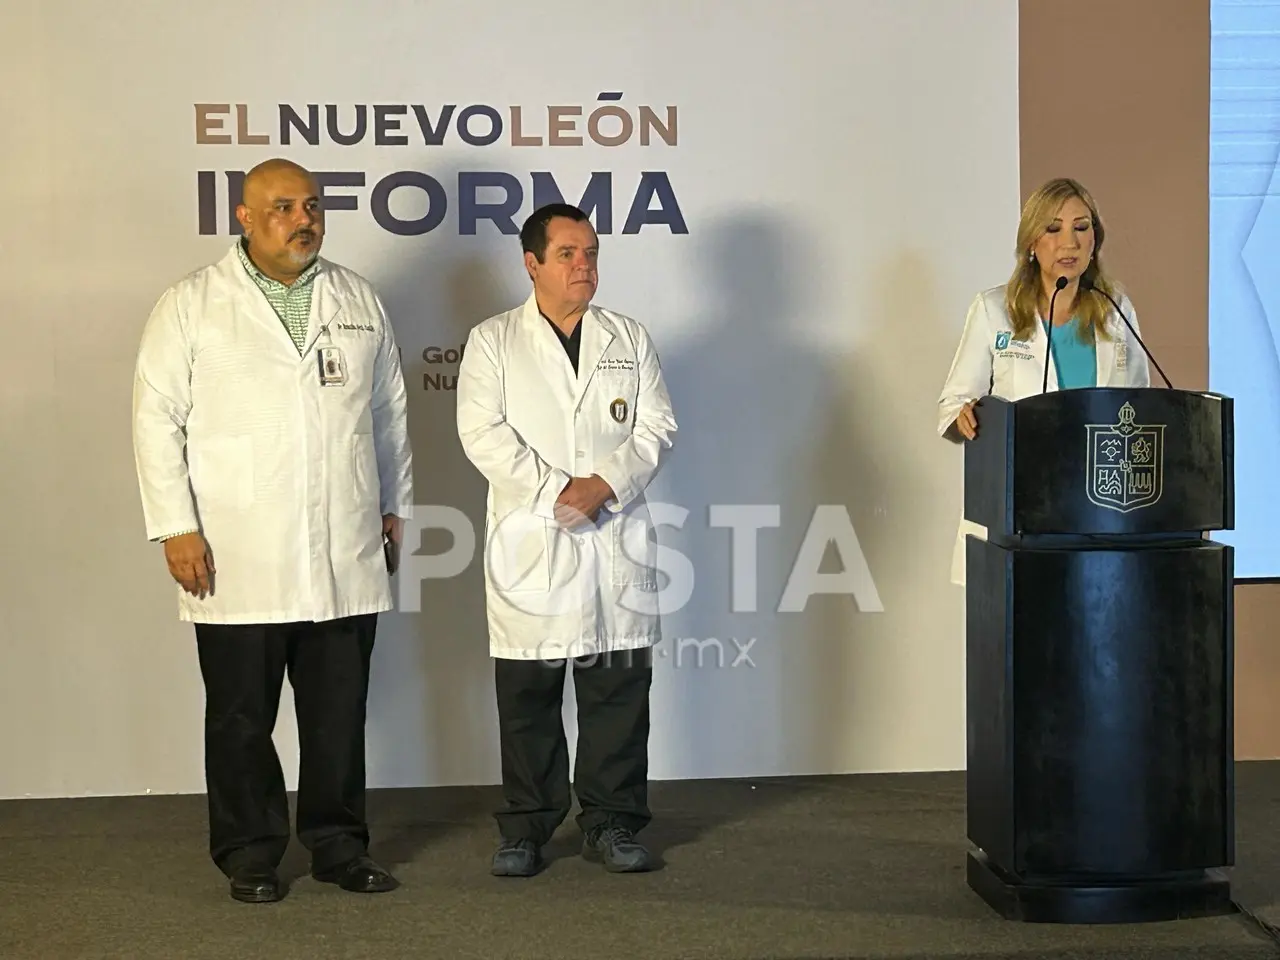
(1100, 655)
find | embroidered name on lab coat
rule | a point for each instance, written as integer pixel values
(1009, 349)
(616, 363)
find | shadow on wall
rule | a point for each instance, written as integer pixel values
(754, 677)
(876, 452)
(749, 392)
(432, 718)
(822, 428)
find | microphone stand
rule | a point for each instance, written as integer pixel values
(1048, 357)
(1090, 285)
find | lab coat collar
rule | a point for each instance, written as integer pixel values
(325, 306)
(597, 333)
(1106, 351)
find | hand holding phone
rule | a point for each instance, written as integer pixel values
(392, 531)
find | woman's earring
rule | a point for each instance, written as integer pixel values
(1031, 256)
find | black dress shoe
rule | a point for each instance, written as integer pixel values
(256, 885)
(360, 875)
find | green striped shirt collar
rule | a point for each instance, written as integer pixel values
(292, 303)
(242, 248)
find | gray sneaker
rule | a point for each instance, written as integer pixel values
(516, 858)
(617, 848)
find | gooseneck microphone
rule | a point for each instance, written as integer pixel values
(1086, 283)
(1057, 288)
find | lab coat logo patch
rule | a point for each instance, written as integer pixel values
(1002, 340)
(618, 410)
(1126, 463)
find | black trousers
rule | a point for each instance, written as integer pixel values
(243, 669)
(611, 771)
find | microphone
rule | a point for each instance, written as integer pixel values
(1086, 283)
(1057, 288)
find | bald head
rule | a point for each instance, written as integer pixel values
(282, 219)
(268, 177)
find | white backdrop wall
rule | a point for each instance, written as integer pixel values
(846, 176)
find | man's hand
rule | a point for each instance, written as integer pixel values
(581, 499)
(967, 421)
(392, 536)
(190, 563)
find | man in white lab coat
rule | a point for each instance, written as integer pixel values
(274, 465)
(563, 409)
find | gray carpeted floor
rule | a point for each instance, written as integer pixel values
(819, 868)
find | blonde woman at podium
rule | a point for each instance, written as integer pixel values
(1051, 327)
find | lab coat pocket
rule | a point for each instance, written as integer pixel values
(635, 553)
(221, 473)
(518, 559)
(619, 391)
(364, 469)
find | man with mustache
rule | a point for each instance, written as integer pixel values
(564, 411)
(274, 465)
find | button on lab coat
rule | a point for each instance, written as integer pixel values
(287, 479)
(528, 424)
(989, 362)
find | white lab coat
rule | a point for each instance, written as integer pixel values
(989, 364)
(528, 425)
(287, 479)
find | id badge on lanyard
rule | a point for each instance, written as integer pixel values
(333, 366)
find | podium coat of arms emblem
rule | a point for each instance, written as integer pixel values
(1126, 463)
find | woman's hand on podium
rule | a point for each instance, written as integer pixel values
(967, 421)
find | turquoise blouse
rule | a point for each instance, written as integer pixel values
(1075, 360)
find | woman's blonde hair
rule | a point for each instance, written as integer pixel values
(1025, 291)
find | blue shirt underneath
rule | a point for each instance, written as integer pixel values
(1075, 360)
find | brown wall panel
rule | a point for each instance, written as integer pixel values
(1257, 671)
(1124, 107)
